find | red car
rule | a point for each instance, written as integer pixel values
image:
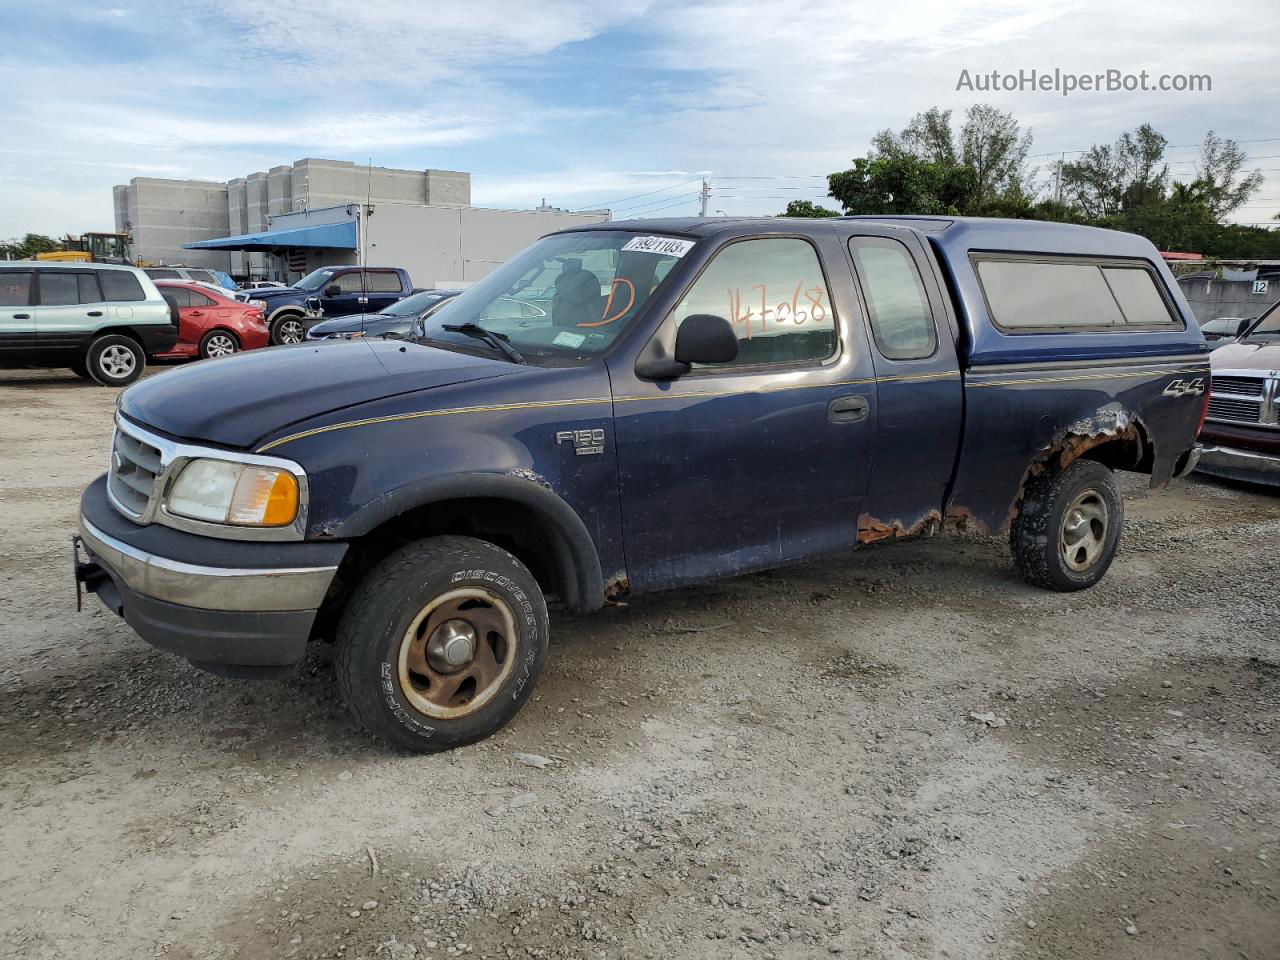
(211, 324)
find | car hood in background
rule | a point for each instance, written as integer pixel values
(354, 322)
(235, 401)
(1247, 355)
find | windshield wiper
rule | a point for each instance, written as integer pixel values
(496, 340)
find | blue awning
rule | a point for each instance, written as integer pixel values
(326, 236)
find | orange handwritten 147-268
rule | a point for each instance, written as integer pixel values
(804, 306)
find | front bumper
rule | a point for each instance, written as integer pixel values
(1236, 464)
(227, 605)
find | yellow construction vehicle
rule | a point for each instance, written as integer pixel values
(92, 248)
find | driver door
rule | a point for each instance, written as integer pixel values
(347, 299)
(764, 460)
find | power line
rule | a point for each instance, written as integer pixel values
(640, 206)
(671, 186)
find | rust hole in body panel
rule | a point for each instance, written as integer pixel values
(616, 588)
(872, 530)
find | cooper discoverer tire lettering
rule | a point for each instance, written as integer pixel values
(441, 643)
(1067, 531)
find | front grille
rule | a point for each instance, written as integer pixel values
(1239, 386)
(134, 468)
(1229, 408)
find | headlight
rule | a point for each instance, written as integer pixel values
(260, 304)
(220, 491)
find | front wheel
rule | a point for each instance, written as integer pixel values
(441, 643)
(287, 329)
(1067, 530)
(114, 360)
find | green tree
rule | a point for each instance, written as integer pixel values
(807, 208)
(1110, 178)
(1220, 163)
(903, 184)
(28, 247)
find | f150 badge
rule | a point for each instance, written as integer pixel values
(1185, 388)
(585, 442)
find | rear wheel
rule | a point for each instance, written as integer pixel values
(287, 329)
(442, 643)
(218, 343)
(79, 369)
(114, 360)
(1067, 531)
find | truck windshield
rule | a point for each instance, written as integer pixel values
(314, 280)
(569, 295)
(1268, 326)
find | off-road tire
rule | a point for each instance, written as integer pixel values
(277, 325)
(104, 360)
(386, 604)
(213, 335)
(1036, 534)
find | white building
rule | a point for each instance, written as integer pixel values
(293, 218)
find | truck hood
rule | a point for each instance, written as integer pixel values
(269, 293)
(1247, 355)
(236, 401)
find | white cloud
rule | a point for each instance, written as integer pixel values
(743, 88)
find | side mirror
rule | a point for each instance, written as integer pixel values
(332, 290)
(706, 338)
(1244, 326)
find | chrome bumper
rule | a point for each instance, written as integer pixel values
(1238, 464)
(209, 588)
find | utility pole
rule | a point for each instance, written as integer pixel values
(705, 195)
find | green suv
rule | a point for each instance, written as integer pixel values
(100, 320)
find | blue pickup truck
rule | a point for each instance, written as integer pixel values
(631, 407)
(324, 293)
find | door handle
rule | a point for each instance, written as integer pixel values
(22, 316)
(848, 409)
(95, 313)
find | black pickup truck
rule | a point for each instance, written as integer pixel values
(630, 407)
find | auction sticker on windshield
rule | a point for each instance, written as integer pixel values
(664, 246)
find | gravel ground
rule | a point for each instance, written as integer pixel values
(905, 753)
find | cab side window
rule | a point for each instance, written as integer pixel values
(121, 286)
(59, 289)
(897, 307)
(383, 281)
(774, 293)
(15, 288)
(350, 282)
(88, 288)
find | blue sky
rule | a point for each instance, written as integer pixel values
(585, 104)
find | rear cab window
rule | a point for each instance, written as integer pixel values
(1061, 293)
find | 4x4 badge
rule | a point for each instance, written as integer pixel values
(1185, 388)
(585, 442)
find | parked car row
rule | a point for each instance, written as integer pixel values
(104, 321)
(328, 292)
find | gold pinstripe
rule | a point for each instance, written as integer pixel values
(540, 404)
